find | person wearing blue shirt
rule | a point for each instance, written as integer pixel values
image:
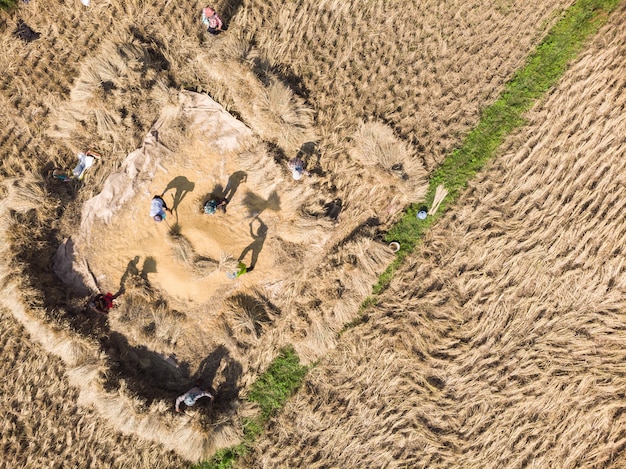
(158, 208)
(191, 396)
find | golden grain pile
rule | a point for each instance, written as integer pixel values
(501, 343)
(377, 93)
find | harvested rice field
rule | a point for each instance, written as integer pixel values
(500, 343)
(510, 310)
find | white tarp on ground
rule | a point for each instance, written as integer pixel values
(137, 170)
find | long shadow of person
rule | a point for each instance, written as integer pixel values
(131, 271)
(309, 152)
(229, 389)
(229, 10)
(225, 393)
(257, 204)
(147, 373)
(182, 186)
(256, 245)
(149, 267)
(208, 367)
(233, 183)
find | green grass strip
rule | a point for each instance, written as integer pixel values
(270, 392)
(8, 4)
(543, 69)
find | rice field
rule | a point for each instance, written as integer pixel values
(44, 424)
(372, 95)
(499, 343)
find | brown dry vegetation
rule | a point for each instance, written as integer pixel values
(425, 69)
(501, 343)
(373, 105)
(44, 426)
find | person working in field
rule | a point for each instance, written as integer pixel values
(158, 208)
(238, 272)
(296, 166)
(191, 396)
(212, 205)
(103, 303)
(212, 20)
(85, 161)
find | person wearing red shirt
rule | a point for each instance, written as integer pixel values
(103, 303)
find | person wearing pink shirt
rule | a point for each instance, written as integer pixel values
(212, 20)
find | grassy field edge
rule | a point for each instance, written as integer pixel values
(269, 392)
(8, 5)
(542, 70)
